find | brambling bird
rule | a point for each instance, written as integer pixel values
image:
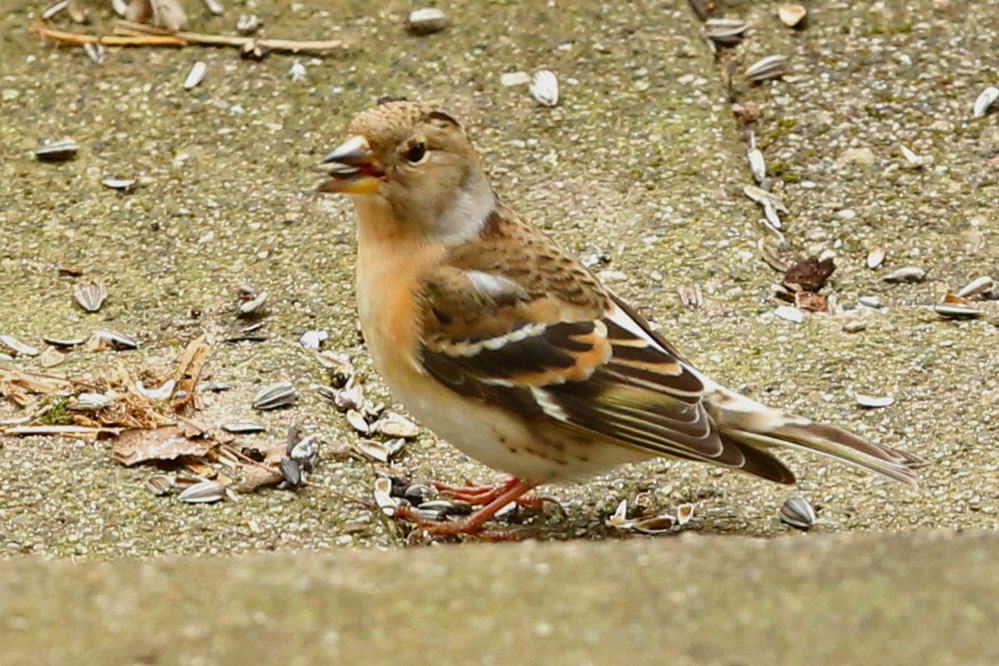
(506, 346)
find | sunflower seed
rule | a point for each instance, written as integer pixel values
(770, 67)
(789, 313)
(57, 151)
(544, 87)
(907, 274)
(978, 286)
(955, 309)
(273, 396)
(357, 422)
(756, 165)
(722, 27)
(418, 493)
(163, 392)
(159, 484)
(120, 184)
(90, 402)
(54, 9)
(91, 296)
(313, 339)
(120, 7)
(791, 15)
(873, 402)
(984, 101)
(203, 492)
(770, 213)
(18, 347)
(443, 507)
(875, 257)
(247, 23)
(690, 295)
(870, 302)
(426, 21)
(655, 525)
(394, 425)
(291, 472)
(797, 512)
(249, 301)
(196, 74)
(684, 513)
(383, 496)
(913, 160)
(215, 7)
(117, 340)
(243, 426)
(94, 51)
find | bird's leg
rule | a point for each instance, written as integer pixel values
(512, 490)
(480, 495)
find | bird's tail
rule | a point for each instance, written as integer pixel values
(753, 424)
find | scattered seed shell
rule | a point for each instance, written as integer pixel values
(789, 313)
(57, 151)
(291, 472)
(426, 21)
(196, 74)
(684, 513)
(908, 274)
(247, 23)
(690, 295)
(383, 496)
(243, 426)
(770, 67)
(50, 357)
(120, 184)
(63, 342)
(215, 7)
(313, 339)
(203, 492)
(357, 421)
(94, 51)
(870, 302)
(159, 484)
(873, 402)
(791, 14)
(250, 301)
(18, 347)
(90, 402)
(274, 396)
(984, 100)
(510, 79)
(91, 296)
(656, 525)
(162, 392)
(797, 512)
(297, 71)
(875, 257)
(855, 326)
(394, 425)
(54, 9)
(619, 518)
(120, 7)
(544, 87)
(954, 307)
(117, 340)
(976, 287)
(304, 452)
(756, 165)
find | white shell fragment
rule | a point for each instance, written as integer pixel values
(684, 513)
(510, 79)
(913, 160)
(984, 100)
(203, 493)
(957, 310)
(791, 14)
(116, 339)
(873, 402)
(273, 396)
(94, 51)
(196, 74)
(91, 296)
(18, 347)
(789, 313)
(57, 151)
(215, 7)
(159, 484)
(544, 87)
(619, 518)
(907, 274)
(358, 422)
(162, 392)
(120, 184)
(383, 496)
(875, 257)
(120, 7)
(313, 339)
(394, 425)
(756, 165)
(426, 21)
(247, 24)
(243, 426)
(870, 302)
(296, 71)
(250, 301)
(771, 67)
(797, 512)
(90, 402)
(978, 286)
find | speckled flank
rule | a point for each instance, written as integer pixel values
(639, 169)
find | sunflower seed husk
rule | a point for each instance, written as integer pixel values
(159, 484)
(789, 313)
(215, 7)
(619, 518)
(870, 302)
(770, 67)
(50, 357)
(690, 295)
(169, 14)
(954, 307)
(721, 29)
(120, 184)
(418, 493)
(120, 7)
(978, 286)
(196, 74)
(656, 525)
(855, 326)
(117, 340)
(90, 402)
(394, 425)
(797, 512)
(756, 165)
(291, 472)
(63, 342)
(791, 15)
(94, 51)
(770, 213)
(426, 21)
(243, 426)
(984, 100)
(254, 51)
(684, 513)
(770, 256)
(18, 347)
(875, 257)
(444, 507)
(908, 274)
(544, 87)
(57, 151)
(297, 71)
(373, 450)
(518, 78)
(304, 452)
(912, 159)
(91, 296)
(313, 339)
(273, 396)
(250, 301)
(247, 24)
(339, 366)
(872, 401)
(162, 392)
(383, 496)
(762, 197)
(203, 492)
(54, 9)
(357, 421)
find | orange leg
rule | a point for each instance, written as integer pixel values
(480, 495)
(509, 491)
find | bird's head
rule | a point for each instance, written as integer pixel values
(419, 162)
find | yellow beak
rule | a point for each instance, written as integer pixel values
(352, 168)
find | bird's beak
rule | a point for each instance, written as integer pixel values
(352, 168)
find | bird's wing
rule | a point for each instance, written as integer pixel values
(533, 332)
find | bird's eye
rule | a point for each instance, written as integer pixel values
(417, 152)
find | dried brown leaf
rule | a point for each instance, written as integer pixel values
(164, 443)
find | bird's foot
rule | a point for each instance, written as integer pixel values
(479, 495)
(491, 499)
